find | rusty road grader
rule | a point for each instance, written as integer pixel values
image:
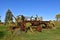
(38, 25)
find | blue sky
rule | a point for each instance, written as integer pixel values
(45, 8)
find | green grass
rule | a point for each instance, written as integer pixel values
(51, 34)
(44, 35)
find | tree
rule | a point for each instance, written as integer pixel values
(0, 18)
(41, 18)
(9, 16)
(58, 17)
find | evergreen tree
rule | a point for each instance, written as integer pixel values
(9, 16)
(0, 18)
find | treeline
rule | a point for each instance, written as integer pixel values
(9, 17)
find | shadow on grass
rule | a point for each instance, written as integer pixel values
(2, 33)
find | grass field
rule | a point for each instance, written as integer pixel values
(51, 34)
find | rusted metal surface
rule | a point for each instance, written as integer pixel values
(37, 23)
